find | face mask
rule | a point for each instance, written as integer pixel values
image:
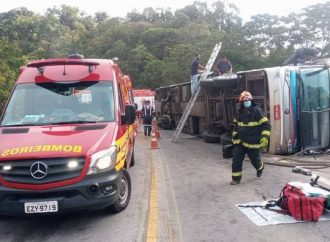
(247, 104)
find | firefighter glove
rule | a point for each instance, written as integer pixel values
(236, 141)
(235, 138)
(264, 142)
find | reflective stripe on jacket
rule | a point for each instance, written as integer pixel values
(251, 124)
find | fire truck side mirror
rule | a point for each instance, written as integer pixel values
(129, 116)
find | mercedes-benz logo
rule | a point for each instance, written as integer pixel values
(38, 170)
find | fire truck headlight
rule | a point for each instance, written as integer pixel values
(103, 160)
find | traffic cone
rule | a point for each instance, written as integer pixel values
(154, 122)
(156, 130)
(157, 134)
(153, 144)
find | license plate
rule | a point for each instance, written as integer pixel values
(41, 207)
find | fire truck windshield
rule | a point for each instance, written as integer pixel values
(55, 103)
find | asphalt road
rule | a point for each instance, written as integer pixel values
(180, 192)
(202, 209)
(129, 225)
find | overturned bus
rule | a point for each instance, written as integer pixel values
(295, 99)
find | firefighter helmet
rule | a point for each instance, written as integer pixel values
(245, 96)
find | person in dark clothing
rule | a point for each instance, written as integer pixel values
(251, 133)
(224, 65)
(301, 55)
(147, 112)
(194, 71)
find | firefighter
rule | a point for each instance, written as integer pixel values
(147, 114)
(251, 133)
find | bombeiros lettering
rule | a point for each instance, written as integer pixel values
(41, 148)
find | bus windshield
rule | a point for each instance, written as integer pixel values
(314, 108)
(55, 103)
(316, 89)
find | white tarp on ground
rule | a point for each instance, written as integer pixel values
(262, 216)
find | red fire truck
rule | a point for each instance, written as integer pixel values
(67, 138)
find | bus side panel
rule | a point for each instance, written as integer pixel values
(294, 130)
(279, 103)
(287, 113)
(275, 121)
(283, 110)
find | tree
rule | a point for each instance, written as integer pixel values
(156, 46)
(177, 64)
(21, 26)
(139, 58)
(11, 59)
(152, 75)
(157, 40)
(317, 20)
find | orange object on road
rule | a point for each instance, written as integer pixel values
(154, 143)
(157, 133)
(156, 130)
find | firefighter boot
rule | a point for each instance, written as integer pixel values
(259, 172)
(233, 182)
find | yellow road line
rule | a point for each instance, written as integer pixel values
(152, 231)
(176, 217)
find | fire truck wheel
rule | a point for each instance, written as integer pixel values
(124, 194)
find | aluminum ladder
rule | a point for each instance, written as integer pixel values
(194, 95)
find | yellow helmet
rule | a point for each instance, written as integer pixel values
(245, 96)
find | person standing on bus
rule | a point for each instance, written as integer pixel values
(224, 65)
(251, 133)
(194, 71)
(147, 112)
(302, 55)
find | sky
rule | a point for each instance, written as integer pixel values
(121, 7)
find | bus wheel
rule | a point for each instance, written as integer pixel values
(211, 137)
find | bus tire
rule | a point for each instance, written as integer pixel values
(211, 138)
(225, 139)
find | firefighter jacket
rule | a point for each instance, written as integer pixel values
(147, 114)
(250, 125)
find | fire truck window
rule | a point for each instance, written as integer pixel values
(52, 103)
(101, 104)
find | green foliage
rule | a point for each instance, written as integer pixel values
(152, 75)
(11, 59)
(157, 40)
(156, 47)
(317, 20)
(6, 82)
